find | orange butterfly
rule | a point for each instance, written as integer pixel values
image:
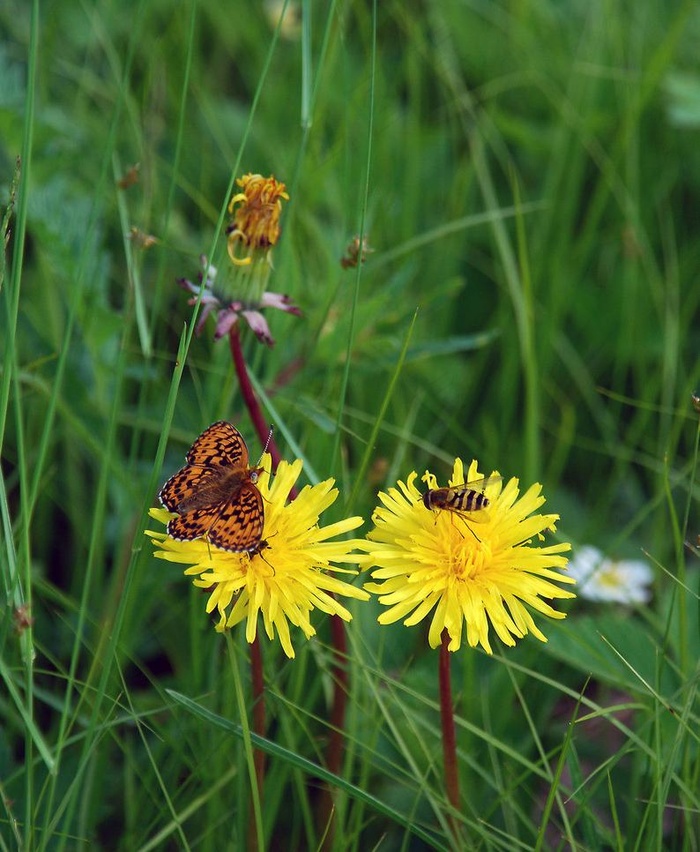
(215, 494)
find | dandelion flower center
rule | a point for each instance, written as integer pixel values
(469, 560)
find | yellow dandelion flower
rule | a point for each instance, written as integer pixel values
(256, 221)
(289, 574)
(476, 568)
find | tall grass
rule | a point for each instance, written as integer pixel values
(527, 175)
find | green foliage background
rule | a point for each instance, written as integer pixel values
(528, 175)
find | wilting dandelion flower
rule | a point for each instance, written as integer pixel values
(475, 569)
(288, 575)
(228, 311)
(241, 290)
(599, 578)
(256, 217)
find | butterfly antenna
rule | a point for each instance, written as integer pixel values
(267, 442)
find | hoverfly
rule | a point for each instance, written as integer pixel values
(468, 499)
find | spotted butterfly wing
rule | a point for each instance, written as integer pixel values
(236, 523)
(221, 444)
(215, 494)
(184, 486)
(240, 524)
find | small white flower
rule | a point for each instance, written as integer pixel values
(601, 579)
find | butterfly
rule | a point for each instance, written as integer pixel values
(467, 498)
(215, 493)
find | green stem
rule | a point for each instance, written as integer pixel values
(449, 739)
(258, 683)
(336, 741)
(256, 840)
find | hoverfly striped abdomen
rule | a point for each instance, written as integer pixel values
(468, 497)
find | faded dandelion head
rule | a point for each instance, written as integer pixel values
(475, 570)
(256, 217)
(288, 576)
(240, 293)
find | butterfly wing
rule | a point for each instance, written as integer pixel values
(240, 523)
(183, 486)
(216, 462)
(234, 524)
(194, 524)
(221, 444)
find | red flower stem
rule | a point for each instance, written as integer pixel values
(449, 739)
(256, 669)
(336, 742)
(251, 401)
(252, 404)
